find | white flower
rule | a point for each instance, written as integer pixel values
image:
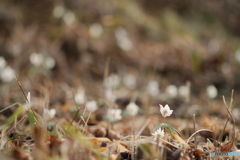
(109, 95)
(36, 59)
(69, 17)
(172, 91)
(29, 97)
(96, 30)
(212, 91)
(132, 109)
(112, 81)
(165, 111)
(114, 114)
(129, 81)
(159, 133)
(58, 11)
(91, 106)
(153, 88)
(2, 63)
(49, 63)
(80, 96)
(7, 74)
(123, 40)
(48, 114)
(183, 91)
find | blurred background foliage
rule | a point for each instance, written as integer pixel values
(170, 41)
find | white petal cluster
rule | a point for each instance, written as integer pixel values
(96, 30)
(91, 106)
(165, 111)
(114, 115)
(37, 59)
(132, 109)
(157, 133)
(80, 96)
(130, 81)
(172, 91)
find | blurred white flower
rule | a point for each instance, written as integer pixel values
(52, 113)
(58, 11)
(36, 59)
(80, 96)
(172, 91)
(69, 17)
(153, 88)
(129, 81)
(212, 91)
(157, 133)
(28, 98)
(7, 74)
(112, 81)
(132, 109)
(91, 106)
(183, 91)
(96, 30)
(123, 40)
(49, 63)
(48, 114)
(114, 114)
(2, 63)
(109, 95)
(165, 111)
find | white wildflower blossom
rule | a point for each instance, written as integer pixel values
(49, 63)
(123, 40)
(80, 96)
(172, 91)
(36, 59)
(183, 91)
(48, 114)
(157, 133)
(114, 114)
(91, 106)
(165, 111)
(109, 95)
(58, 11)
(132, 109)
(112, 81)
(69, 17)
(7, 74)
(212, 91)
(153, 88)
(129, 81)
(3, 63)
(96, 30)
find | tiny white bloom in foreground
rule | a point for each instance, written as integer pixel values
(36, 59)
(80, 96)
(91, 106)
(172, 91)
(2, 63)
(7, 74)
(158, 132)
(132, 109)
(165, 111)
(153, 88)
(212, 91)
(96, 30)
(28, 97)
(114, 114)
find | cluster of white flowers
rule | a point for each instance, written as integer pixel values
(79, 97)
(91, 106)
(37, 59)
(212, 91)
(7, 74)
(123, 41)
